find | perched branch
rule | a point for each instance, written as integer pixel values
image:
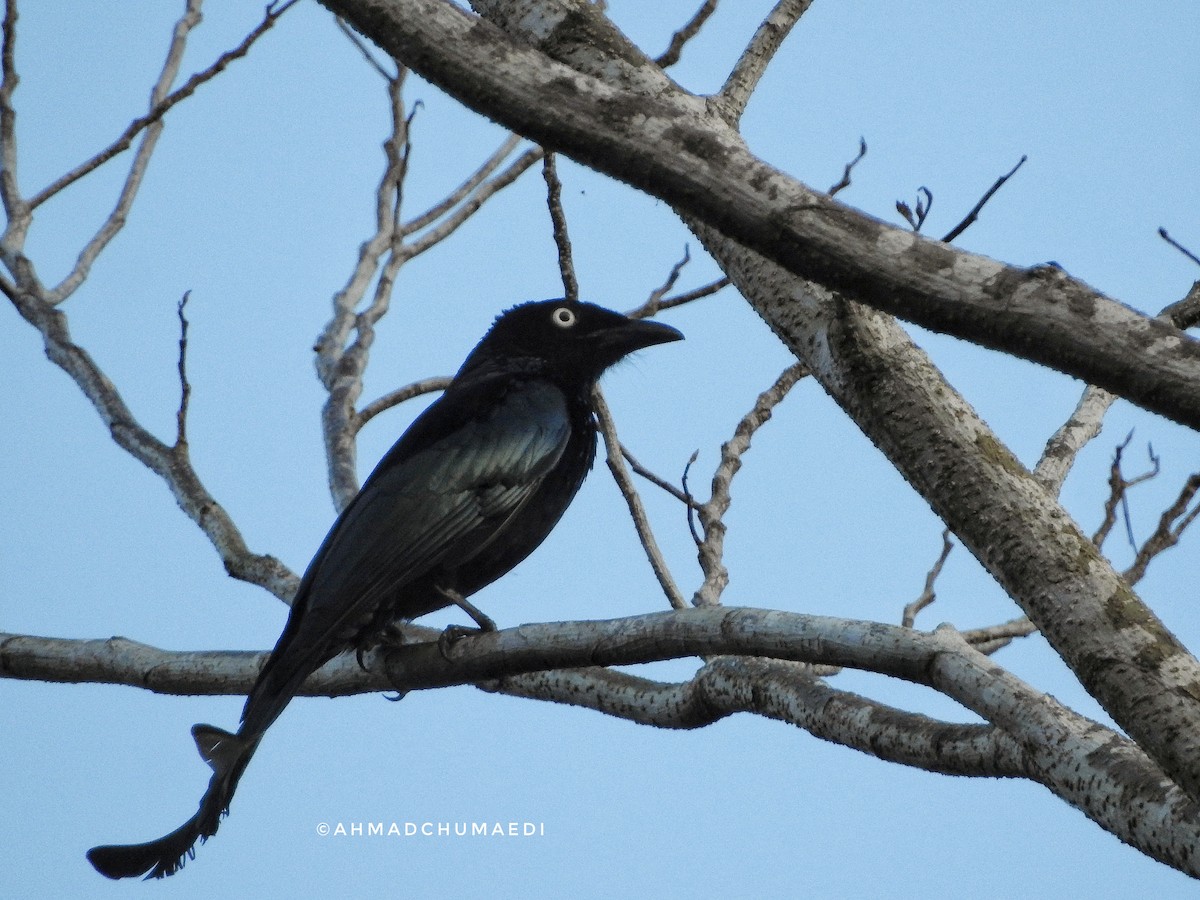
(1078, 759)
(975, 210)
(711, 514)
(928, 595)
(633, 500)
(844, 181)
(679, 39)
(558, 220)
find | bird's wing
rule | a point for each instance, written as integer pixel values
(446, 501)
(440, 496)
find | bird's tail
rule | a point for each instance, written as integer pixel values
(228, 755)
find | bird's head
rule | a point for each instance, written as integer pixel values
(572, 340)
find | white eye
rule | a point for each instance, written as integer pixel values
(563, 317)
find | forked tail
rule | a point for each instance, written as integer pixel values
(228, 755)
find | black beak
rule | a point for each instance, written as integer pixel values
(635, 334)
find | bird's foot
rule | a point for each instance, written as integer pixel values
(484, 622)
(455, 633)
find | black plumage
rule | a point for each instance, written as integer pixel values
(468, 491)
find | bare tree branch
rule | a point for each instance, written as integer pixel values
(14, 207)
(916, 218)
(995, 637)
(658, 301)
(363, 49)
(469, 184)
(633, 500)
(678, 152)
(712, 547)
(1162, 233)
(1118, 488)
(398, 396)
(1171, 525)
(679, 39)
(752, 64)
(558, 221)
(161, 101)
(844, 182)
(475, 201)
(1086, 421)
(185, 387)
(973, 215)
(656, 480)
(928, 594)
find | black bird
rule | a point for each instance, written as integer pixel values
(470, 489)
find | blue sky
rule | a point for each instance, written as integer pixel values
(256, 202)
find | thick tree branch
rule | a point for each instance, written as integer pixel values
(1134, 666)
(1086, 764)
(668, 145)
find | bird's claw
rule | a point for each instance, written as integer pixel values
(455, 633)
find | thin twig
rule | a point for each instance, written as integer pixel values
(1119, 485)
(974, 213)
(705, 290)
(844, 181)
(928, 594)
(652, 304)
(478, 177)
(749, 69)
(474, 202)
(362, 48)
(633, 500)
(185, 387)
(692, 504)
(679, 39)
(558, 219)
(400, 395)
(656, 480)
(924, 204)
(1162, 233)
(1169, 530)
(712, 513)
(160, 107)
